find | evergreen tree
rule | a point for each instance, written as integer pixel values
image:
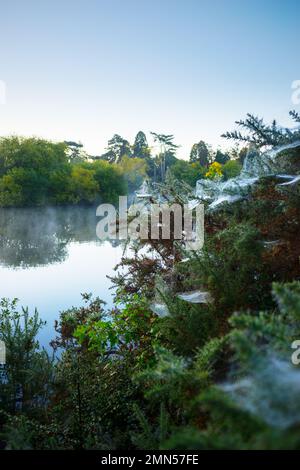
(200, 153)
(75, 151)
(116, 149)
(221, 157)
(140, 146)
(262, 135)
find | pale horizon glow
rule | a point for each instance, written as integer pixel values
(83, 71)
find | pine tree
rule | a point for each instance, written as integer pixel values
(261, 135)
(140, 146)
(221, 157)
(116, 149)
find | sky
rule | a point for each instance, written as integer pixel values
(85, 70)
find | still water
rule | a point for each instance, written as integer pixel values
(48, 257)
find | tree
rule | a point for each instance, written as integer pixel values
(33, 153)
(26, 166)
(263, 135)
(82, 186)
(221, 157)
(75, 151)
(108, 156)
(238, 153)
(36, 172)
(10, 191)
(140, 146)
(200, 153)
(167, 149)
(26, 375)
(116, 149)
(134, 171)
(110, 179)
(231, 169)
(190, 173)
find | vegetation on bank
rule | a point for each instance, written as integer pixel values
(36, 172)
(206, 376)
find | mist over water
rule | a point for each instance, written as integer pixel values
(49, 256)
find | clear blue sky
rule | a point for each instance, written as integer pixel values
(84, 70)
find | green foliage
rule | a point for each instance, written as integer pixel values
(258, 407)
(75, 152)
(134, 171)
(140, 147)
(101, 352)
(30, 153)
(260, 134)
(82, 185)
(288, 298)
(231, 169)
(263, 386)
(35, 172)
(111, 181)
(235, 249)
(210, 356)
(117, 148)
(10, 190)
(130, 330)
(150, 435)
(221, 157)
(215, 375)
(190, 173)
(25, 169)
(200, 153)
(26, 376)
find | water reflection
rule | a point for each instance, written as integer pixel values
(39, 237)
(48, 257)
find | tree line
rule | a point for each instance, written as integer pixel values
(37, 172)
(163, 157)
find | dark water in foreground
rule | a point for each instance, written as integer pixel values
(48, 257)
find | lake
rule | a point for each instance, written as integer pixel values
(49, 256)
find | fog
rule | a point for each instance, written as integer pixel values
(48, 257)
